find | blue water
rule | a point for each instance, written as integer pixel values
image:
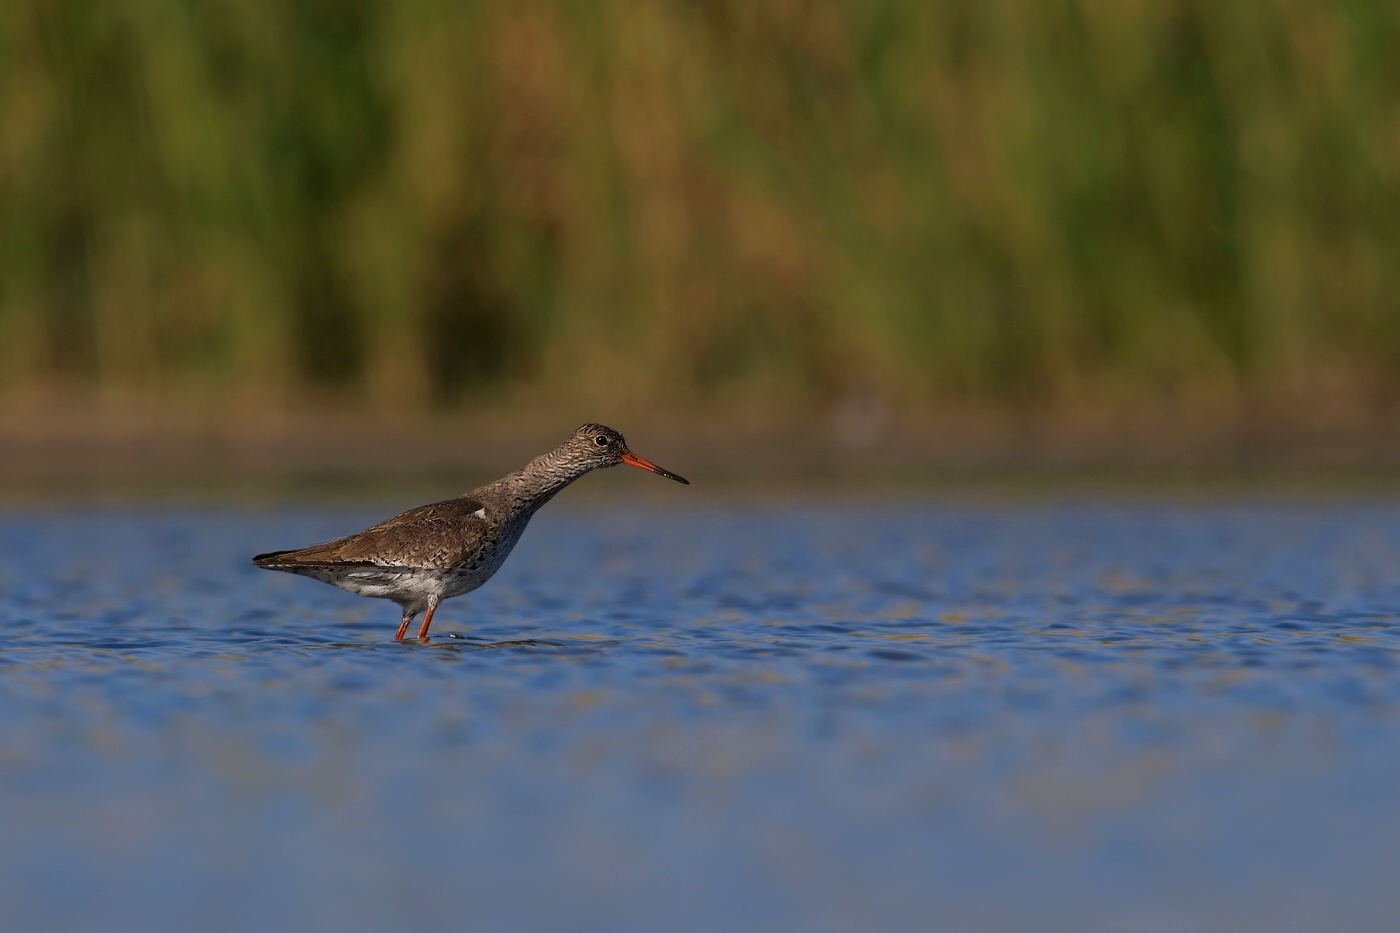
(1076, 715)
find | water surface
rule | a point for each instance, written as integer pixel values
(827, 716)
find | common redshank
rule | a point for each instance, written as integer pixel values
(434, 552)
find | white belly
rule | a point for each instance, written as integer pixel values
(411, 586)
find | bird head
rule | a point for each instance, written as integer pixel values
(601, 446)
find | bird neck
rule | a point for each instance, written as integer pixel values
(544, 476)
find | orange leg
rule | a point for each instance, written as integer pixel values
(403, 626)
(427, 620)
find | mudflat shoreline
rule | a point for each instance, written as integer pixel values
(153, 451)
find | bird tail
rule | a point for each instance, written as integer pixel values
(272, 560)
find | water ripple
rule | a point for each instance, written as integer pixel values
(1025, 717)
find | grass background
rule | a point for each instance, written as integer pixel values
(771, 209)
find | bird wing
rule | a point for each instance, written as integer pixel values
(430, 537)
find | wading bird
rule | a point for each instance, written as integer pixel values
(434, 552)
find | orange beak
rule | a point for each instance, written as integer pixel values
(632, 459)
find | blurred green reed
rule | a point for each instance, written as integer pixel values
(405, 203)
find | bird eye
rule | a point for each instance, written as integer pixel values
(601, 440)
